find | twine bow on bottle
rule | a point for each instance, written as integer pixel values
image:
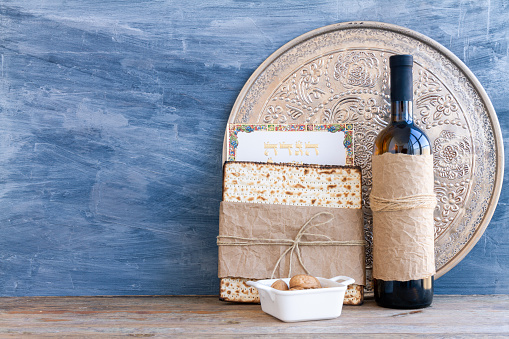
(292, 243)
(402, 203)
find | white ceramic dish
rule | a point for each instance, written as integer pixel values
(303, 305)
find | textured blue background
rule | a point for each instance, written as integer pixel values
(112, 115)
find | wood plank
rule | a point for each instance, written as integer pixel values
(198, 316)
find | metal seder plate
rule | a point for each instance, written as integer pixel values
(339, 74)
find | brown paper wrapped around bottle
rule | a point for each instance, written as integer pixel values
(403, 201)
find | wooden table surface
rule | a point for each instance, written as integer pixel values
(110, 317)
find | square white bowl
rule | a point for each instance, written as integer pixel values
(303, 305)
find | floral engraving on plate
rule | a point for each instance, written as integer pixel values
(434, 104)
(351, 109)
(452, 156)
(452, 162)
(357, 69)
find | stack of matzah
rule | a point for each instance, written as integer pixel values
(259, 189)
(309, 185)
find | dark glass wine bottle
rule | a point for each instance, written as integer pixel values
(402, 136)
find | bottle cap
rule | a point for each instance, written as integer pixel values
(401, 60)
(401, 77)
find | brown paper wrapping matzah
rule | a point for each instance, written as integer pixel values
(403, 241)
(274, 201)
(273, 221)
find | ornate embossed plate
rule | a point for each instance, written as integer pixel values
(339, 74)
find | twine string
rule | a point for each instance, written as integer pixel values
(402, 203)
(292, 243)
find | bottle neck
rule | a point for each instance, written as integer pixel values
(402, 111)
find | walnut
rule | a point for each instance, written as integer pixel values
(280, 285)
(305, 281)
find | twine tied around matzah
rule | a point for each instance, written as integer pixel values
(292, 243)
(402, 203)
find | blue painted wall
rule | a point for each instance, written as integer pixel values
(112, 116)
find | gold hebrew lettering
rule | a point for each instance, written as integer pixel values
(267, 146)
(309, 145)
(298, 146)
(287, 146)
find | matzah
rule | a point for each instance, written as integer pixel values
(298, 185)
(236, 290)
(295, 185)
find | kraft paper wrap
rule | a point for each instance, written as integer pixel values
(270, 221)
(403, 240)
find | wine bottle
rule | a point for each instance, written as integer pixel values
(402, 136)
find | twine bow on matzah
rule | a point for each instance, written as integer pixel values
(225, 240)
